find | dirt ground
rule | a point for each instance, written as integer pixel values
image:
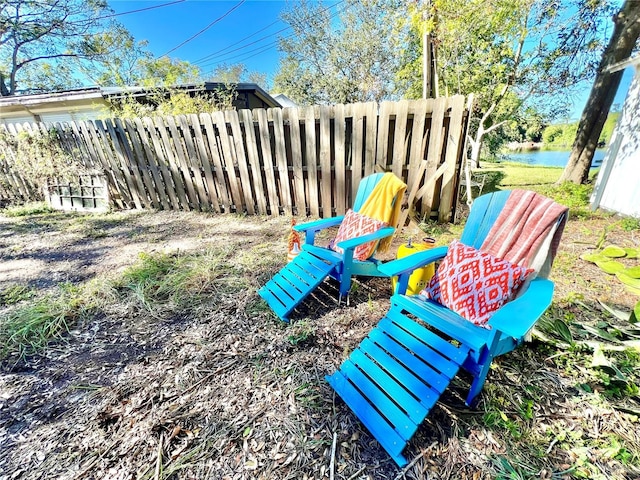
(228, 391)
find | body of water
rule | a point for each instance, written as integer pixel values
(550, 158)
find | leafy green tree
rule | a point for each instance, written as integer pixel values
(167, 71)
(229, 73)
(350, 58)
(121, 67)
(48, 77)
(622, 43)
(48, 45)
(607, 129)
(559, 136)
(552, 133)
(512, 54)
(238, 73)
(408, 77)
(526, 127)
(132, 64)
(50, 33)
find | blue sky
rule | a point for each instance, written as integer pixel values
(223, 42)
(242, 31)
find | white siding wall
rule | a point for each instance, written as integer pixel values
(618, 184)
(17, 119)
(72, 116)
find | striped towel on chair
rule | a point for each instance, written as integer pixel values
(527, 231)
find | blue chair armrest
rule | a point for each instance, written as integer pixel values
(519, 316)
(319, 224)
(409, 263)
(404, 267)
(354, 242)
(311, 228)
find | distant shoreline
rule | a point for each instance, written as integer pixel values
(524, 146)
(534, 146)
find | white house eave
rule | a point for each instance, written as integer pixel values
(40, 99)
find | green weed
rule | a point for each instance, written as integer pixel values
(629, 224)
(308, 396)
(178, 280)
(576, 197)
(15, 294)
(301, 332)
(614, 447)
(432, 229)
(33, 208)
(526, 409)
(508, 469)
(495, 418)
(29, 328)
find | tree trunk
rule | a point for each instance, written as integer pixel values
(4, 91)
(476, 145)
(605, 86)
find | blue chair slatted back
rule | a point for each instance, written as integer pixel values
(367, 184)
(483, 215)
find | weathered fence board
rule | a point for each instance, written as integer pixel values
(300, 161)
(253, 157)
(240, 159)
(339, 159)
(418, 110)
(224, 200)
(325, 160)
(454, 149)
(290, 116)
(311, 161)
(399, 158)
(129, 163)
(358, 114)
(137, 156)
(434, 150)
(281, 159)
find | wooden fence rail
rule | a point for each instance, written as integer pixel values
(301, 161)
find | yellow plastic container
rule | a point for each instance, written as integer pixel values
(421, 276)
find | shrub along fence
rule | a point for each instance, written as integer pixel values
(292, 161)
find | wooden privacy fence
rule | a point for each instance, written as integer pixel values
(301, 161)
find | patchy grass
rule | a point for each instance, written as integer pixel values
(519, 175)
(180, 281)
(28, 328)
(542, 179)
(175, 282)
(16, 293)
(28, 209)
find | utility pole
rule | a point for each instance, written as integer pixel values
(429, 73)
(426, 64)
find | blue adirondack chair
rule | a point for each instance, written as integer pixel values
(296, 280)
(396, 375)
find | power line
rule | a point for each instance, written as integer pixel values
(263, 48)
(244, 55)
(140, 10)
(236, 43)
(205, 28)
(222, 52)
(200, 60)
(257, 51)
